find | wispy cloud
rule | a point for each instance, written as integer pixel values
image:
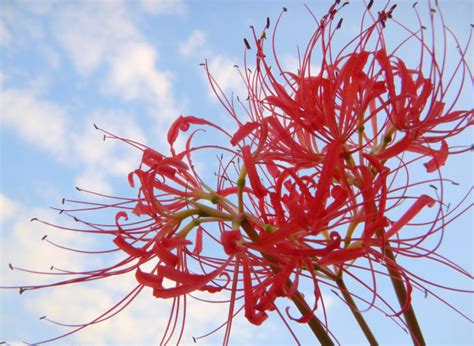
(221, 66)
(226, 75)
(45, 125)
(102, 35)
(163, 6)
(39, 122)
(195, 44)
(100, 160)
(8, 208)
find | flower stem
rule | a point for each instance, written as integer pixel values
(358, 316)
(400, 290)
(314, 323)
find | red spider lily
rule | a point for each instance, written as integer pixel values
(314, 192)
(346, 123)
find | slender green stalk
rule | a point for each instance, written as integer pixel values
(400, 290)
(358, 316)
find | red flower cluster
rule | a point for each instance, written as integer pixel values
(316, 187)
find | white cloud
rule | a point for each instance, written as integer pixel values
(77, 303)
(163, 6)
(102, 35)
(226, 75)
(134, 76)
(94, 180)
(91, 32)
(221, 66)
(35, 254)
(17, 26)
(195, 44)
(100, 160)
(41, 123)
(142, 322)
(8, 208)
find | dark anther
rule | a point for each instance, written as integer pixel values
(78, 188)
(76, 219)
(371, 2)
(103, 138)
(382, 19)
(345, 4)
(236, 66)
(268, 23)
(194, 339)
(455, 183)
(423, 27)
(63, 200)
(21, 290)
(51, 268)
(44, 237)
(426, 293)
(61, 211)
(416, 3)
(42, 317)
(432, 10)
(285, 9)
(433, 187)
(339, 24)
(334, 291)
(34, 219)
(95, 126)
(247, 43)
(202, 64)
(10, 266)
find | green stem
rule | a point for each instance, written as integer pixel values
(314, 323)
(358, 316)
(400, 290)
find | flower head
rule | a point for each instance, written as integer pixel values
(315, 184)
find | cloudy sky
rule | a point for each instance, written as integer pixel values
(132, 67)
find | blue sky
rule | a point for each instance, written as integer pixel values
(132, 67)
